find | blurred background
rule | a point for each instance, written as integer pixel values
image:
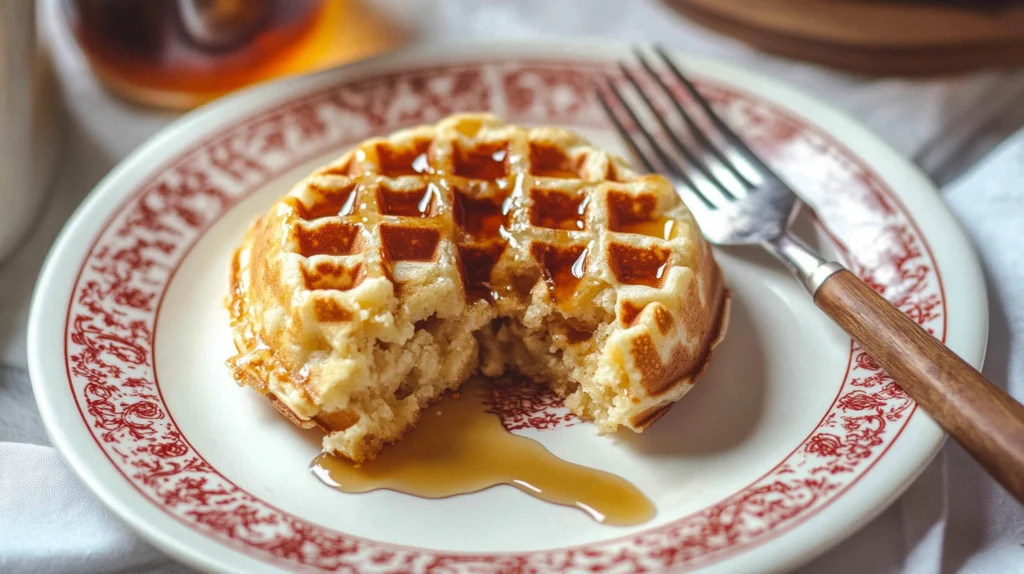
(85, 82)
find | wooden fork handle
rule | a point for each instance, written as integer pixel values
(986, 421)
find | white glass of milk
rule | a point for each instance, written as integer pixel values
(27, 121)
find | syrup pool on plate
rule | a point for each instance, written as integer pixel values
(459, 448)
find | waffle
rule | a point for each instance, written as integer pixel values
(471, 246)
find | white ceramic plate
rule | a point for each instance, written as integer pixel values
(792, 440)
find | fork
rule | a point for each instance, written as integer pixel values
(743, 202)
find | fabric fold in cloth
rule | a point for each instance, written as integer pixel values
(52, 523)
(985, 530)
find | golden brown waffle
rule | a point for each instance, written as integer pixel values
(412, 262)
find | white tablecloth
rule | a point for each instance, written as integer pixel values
(954, 518)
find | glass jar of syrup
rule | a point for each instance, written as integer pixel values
(182, 53)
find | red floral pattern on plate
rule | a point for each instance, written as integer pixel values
(523, 404)
(117, 296)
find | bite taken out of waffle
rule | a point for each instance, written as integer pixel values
(471, 246)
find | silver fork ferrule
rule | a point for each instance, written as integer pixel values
(801, 261)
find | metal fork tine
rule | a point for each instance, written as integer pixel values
(696, 130)
(662, 156)
(690, 157)
(691, 125)
(720, 124)
(648, 165)
(694, 199)
(659, 151)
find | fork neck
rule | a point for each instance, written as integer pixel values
(801, 261)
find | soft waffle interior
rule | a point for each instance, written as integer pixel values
(410, 264)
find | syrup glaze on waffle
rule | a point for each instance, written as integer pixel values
(396, 272)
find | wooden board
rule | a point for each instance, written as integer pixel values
(874, 37)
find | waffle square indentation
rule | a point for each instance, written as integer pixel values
(638, 266)
(558, 210)
(550, 161)
(328, 275)
(477, 264)
(350, 167)
(396, 162)
(479, 217)
(563, 267)
(401, 243)
(418, 203)
(329, 202)
(486, 162)
(638, 214)
(328, 238)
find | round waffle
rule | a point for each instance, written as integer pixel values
(412, 262)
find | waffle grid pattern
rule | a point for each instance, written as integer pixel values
(471, 246)
(486, 205)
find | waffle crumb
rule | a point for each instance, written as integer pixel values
(413, 262)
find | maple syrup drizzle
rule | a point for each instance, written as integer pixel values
(563, 268)
(476, 265)
(557, 210)
(348, 208)
(629, 214)
(408, 204)
(480, 217)
(577, 266)
(486, 163)
(661, 228)
(396, 163)
(459, 448)
(482, 221)
(637, 266)
(421, 164)
(556, 173)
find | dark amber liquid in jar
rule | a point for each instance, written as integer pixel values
(181, 53)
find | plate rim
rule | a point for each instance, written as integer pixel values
(149, 159)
